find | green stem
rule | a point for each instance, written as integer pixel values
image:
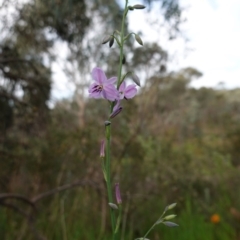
(108, 128)
(149, 231)
(153, 225)
(122, 43)
(119, 218)
(108, 173)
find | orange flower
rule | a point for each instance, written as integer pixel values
(215, 218)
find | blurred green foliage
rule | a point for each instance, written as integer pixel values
(171, 146)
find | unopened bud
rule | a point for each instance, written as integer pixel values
(138, 39)
(118, 194)
(136, 79)
(130, 8)
(171, 206)
(170, 224)
(107, 123)
(138, 6)
(170, 217)
(113, 206)
(116, 112)
(142, 239)
(111, 41)
(102, 149)
(106, 39)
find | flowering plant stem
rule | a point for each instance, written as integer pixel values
(108, 128)
(108, 177)
(157, 222)
(106, 88)
(121, 44)
(151, 228)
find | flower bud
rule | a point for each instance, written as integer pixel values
(107, 123)
(111, 41)
(136, 79)
(118, 194)
(170, 217)
(116, 112)
(170, 224)
(102, 149)
(171, 206)
(106, 39)
(138, 6)
(138, 39)
(113, 206)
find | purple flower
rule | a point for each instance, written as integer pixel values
(117, 105)
(127, 92)
(103, 87)
(116, 110)
(118, 194)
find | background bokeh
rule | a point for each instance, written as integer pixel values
(171, 143)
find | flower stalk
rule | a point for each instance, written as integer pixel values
(108, 177)
(121, 44)
(108, 128)
(115, 90)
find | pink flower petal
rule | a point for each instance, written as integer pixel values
(95, 95)
(122, 86)
(112, 80)
(94, 92)
(116, 106)
(98, 75)
(111, 88)
(109, 95)
(130, 91)
(110, 92)
(103, 87)
(92, 87)
(121, 95)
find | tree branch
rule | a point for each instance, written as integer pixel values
(24, 199)
(62, 188)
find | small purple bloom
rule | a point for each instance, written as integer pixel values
(116, 110)
(102, 149)
(118, 194)
(116, 106)
(102, 87)
(127, 92)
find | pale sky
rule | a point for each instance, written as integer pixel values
(213, 30)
